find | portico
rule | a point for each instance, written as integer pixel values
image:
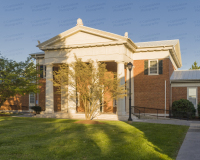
(88, 44)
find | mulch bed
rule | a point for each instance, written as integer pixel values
(88, 122)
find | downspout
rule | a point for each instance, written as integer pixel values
(170, 106)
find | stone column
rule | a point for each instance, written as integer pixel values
(49, 90)
(121, 102)
(96, 67)
(71, 97)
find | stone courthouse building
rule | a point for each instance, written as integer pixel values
(155, 79)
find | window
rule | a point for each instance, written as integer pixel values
(192, 95)
(153, 67)
(42, 71)
(31, 98)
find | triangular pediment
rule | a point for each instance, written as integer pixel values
(81, 35)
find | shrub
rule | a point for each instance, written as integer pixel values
(198, 108)
(37, 109)
(183, 108)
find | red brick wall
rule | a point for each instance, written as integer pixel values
(149, 90)
(16, 103)
(179, 93)
(42, 94)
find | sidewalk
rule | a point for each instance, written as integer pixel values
(168, 121)
(190, 149)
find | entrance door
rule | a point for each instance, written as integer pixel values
(192, 95)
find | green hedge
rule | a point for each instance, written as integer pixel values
(37, 109)
(183, 108)
(198, 108)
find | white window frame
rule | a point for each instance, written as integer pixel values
(196, 95)
(31, 104)
(149, 67)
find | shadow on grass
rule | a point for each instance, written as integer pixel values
(63, 139)
(168, 138)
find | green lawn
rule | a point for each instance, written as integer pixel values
(31, 138)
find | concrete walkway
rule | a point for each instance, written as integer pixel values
(168, 121)
(190, 149)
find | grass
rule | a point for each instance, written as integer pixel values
(31, 138)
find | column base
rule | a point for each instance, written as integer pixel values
(49, 112)
(71, 111)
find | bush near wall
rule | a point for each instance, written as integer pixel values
(37, 109)
(198, 108)
(183, 108)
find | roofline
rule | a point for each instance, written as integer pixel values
(158, 45)
(83, 29)
(39, 55)
(185, 81)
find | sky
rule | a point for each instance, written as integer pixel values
(23, 22)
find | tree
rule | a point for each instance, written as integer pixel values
(17, 78)
(90, 83)
(195, 66)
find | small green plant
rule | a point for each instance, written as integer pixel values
(198, 109)
(183, 108)
(37, 109)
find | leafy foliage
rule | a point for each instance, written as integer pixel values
(195, 66)
(90, 82)
(198, 108)
(17, 78)
(183, 108)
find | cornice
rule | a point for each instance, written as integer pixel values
(83, 45)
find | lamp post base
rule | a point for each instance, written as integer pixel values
(130, 119)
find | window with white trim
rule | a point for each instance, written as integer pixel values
(153, 67)
(42, 71)
(31, 98)
(192, 95)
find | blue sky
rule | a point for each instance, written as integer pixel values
(23, 22)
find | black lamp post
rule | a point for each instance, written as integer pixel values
(130, 65)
